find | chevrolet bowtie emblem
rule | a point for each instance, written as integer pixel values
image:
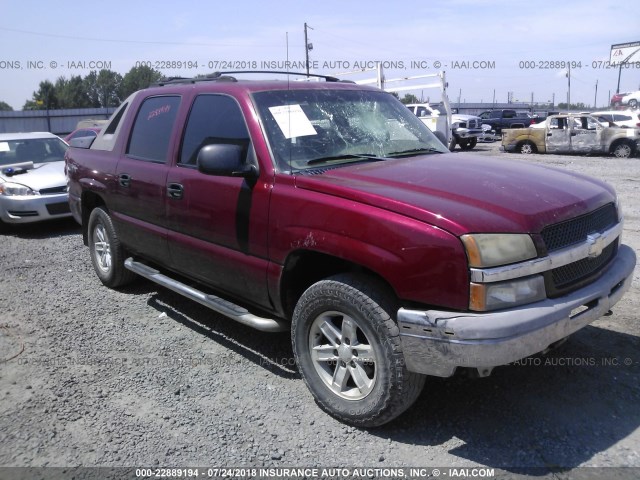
(596, 244)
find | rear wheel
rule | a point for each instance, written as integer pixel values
(107, 254)
(349, 353)
(526, 148)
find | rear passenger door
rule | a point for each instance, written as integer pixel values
(217, 224)
(140, 190)
(558, 135)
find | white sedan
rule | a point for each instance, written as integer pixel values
(33, 185)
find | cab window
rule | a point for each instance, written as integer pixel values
(151, 132)
(213, 119)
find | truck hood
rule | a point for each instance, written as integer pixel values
(465, 194)
(464, 118)
(43, 175)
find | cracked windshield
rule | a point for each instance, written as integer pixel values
(317, 128)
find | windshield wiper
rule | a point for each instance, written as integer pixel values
(415, 151)
(361, 156)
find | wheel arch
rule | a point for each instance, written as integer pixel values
(90, 200)
(303, 268)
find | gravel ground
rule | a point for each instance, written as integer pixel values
(142, 377)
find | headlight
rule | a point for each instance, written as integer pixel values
(493, 296)
(10, 189)
(493, 249)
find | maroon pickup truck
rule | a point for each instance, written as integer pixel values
(329, 210)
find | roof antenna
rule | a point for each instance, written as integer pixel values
(289, 108)
(287, 63)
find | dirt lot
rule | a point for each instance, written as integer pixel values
(142, 377)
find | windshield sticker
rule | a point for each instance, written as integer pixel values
(292, 121)
(4, 147)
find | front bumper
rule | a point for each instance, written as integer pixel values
(437, 342)
(34, 208)
(467, 132)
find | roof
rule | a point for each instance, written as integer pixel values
(231, 84)
(616, 112)
(25, 136)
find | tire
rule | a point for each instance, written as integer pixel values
(342, 329)
(440, 136)
(633, 103)
(107, 254)
(622, 149)
(4, 227)
(469, 143)
(526, 148)
(452, 144)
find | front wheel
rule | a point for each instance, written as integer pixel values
(107, 254)
(469, 143)
(633, 103)
(622, 150)
(349, 353)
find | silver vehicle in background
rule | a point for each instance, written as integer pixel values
(33, 185)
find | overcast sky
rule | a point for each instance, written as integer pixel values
(57, 37)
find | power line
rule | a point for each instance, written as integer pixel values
(142, 42)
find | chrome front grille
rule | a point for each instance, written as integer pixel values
(573, 231)
(577, 271)
(563, 279)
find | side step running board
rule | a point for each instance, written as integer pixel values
(224, 307)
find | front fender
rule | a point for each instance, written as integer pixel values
(422, 263)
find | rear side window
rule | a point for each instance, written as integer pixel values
(213, 119)
(151, 132)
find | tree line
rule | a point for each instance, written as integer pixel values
(104, 88)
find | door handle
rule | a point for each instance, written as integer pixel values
(124, 180)
(175, 190)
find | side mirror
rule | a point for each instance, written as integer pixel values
(81, 142)
(225, 160)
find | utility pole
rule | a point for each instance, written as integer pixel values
(595, 99)
(569, 88)
(307, 47)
